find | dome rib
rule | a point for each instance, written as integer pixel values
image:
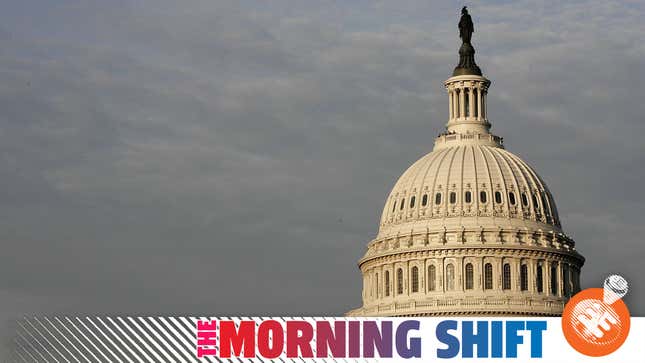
(502, 177)
(514, 181)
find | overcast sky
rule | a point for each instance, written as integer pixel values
(233, 157)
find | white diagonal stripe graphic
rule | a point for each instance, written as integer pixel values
(120, 341)
(170, 339)
(25, 350)
(142, 336)
(47, 340)
(99, 340)
(37, 340)
(180, 337)
(64, 337)
(86, 338)
(28, 341)
(166, 345)
(143, 354)
(81, 343)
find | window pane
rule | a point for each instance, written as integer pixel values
(539, 279)
(424, 200)
(432, 277)
(412, 200)
(415, 279)
(566, 288)
(469, 276)
(437, 199)
(387, 283)
(524, 278)
(511, 198)
(488, 276)
(468, 197)
(450, 277)
(402, 204)
(482, 196)
(506, 281)
(498, 197)
(453, 197)
(525, 200)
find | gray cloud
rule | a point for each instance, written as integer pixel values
(233, 157)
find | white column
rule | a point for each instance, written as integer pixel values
(479, 103)
(450, 108)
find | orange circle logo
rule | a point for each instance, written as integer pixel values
(592, 325)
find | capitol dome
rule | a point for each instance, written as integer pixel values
(469, 228)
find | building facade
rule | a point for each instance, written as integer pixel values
(470, 228)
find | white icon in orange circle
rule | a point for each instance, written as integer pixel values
(596, 321)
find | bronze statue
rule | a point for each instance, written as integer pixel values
(466, 27)
(467, 63)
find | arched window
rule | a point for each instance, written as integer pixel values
(554, 279)
(466, 102)
(412, 200)
(488, 276)
(524, 277)
(566, 287)
(498, 197)
(511, 198)
(536, 206)
(394, 206)
(468, 197)
(432, 278)
(539, 279)
(424, 200)
(387, 283)
(402, 204)
(453, 197)
(399, 281)
(415, 279)
(437, 199)
(506, 277)
(469, 276)
(525, 200)
(450, 277)
(482, 196)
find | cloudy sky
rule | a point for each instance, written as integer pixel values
(232, 157)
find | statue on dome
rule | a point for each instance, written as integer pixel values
(467, 63)
(466, 27)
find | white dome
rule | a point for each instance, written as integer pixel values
(469, 229)
(467, 186)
